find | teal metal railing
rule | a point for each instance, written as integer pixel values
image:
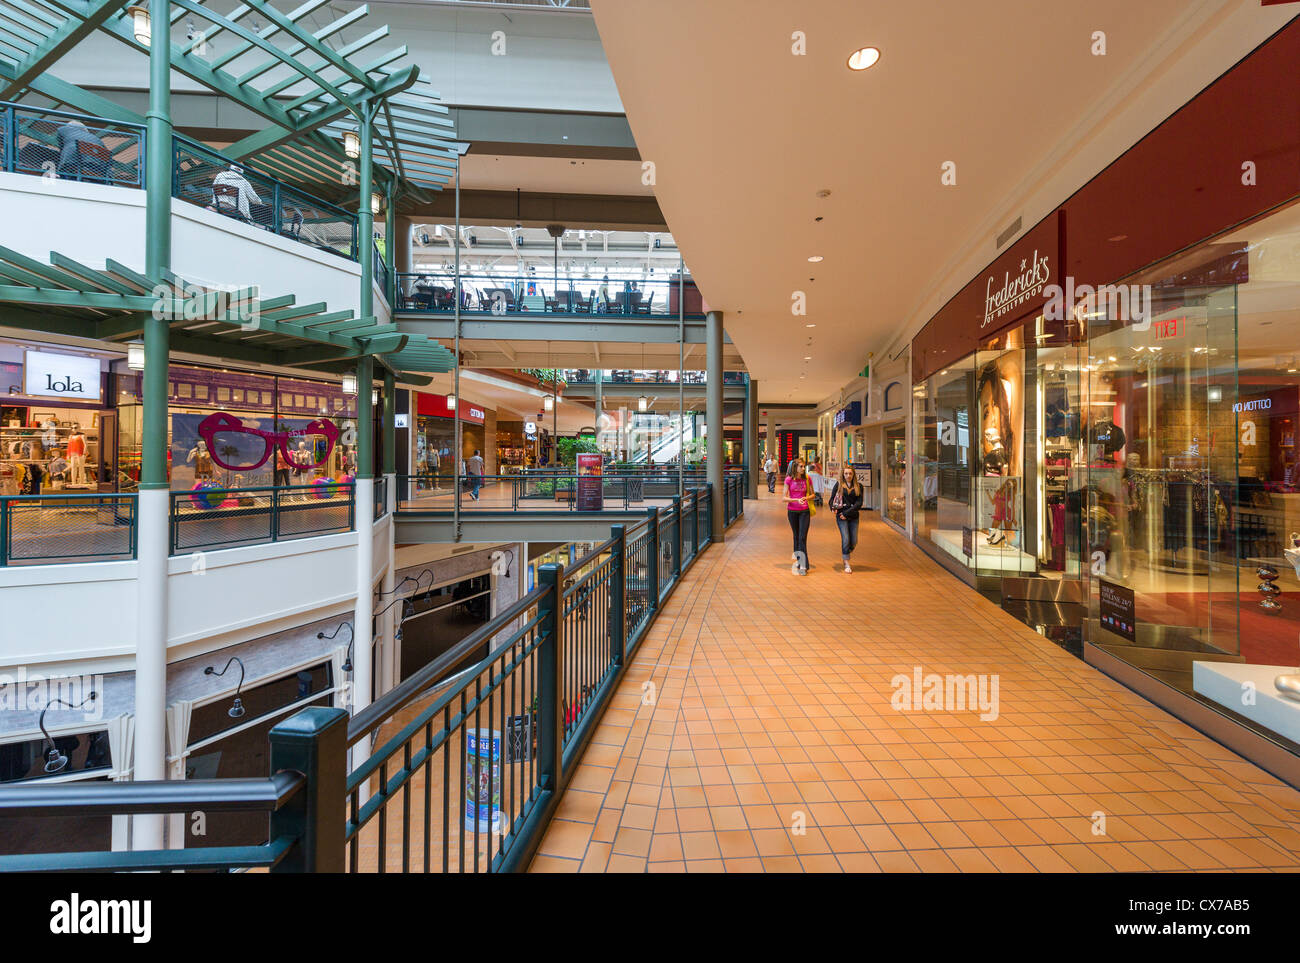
(55, 529)
(449, 773)
(215, 518)
(207, 178)
(68, 146)
(81, 147)
(488, 294)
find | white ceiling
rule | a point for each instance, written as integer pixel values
(744, 133)
(552, 175)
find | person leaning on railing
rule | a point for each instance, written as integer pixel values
(232, 194)
(72, 156)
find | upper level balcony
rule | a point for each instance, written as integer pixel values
(232, 224)
(499, 295)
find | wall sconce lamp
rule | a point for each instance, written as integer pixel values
(56, 761)
(236, 710)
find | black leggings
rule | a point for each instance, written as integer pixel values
(799, 528)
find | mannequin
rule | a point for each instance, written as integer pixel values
(77, 456)
(996, 443)
(202, 460)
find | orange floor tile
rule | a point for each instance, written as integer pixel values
(754, 732)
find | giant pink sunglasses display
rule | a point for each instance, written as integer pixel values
(236, 447)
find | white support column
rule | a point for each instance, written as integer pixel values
(363, 668)
(392, 656)
(150, 756)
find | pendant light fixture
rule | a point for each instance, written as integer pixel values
(352, 144)
(140, 25)
(349, 384)
(135, 355)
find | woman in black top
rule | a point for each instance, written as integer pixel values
(846, 499)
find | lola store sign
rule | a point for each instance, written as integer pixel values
(49, 375)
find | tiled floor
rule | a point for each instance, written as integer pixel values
(754, 731)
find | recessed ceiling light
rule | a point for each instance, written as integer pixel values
(815, 259)
(807, 357)
(864, 58)
(810, 325)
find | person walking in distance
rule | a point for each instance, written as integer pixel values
(798, 493)
(475, 471)
(769, 466)
(846, 500)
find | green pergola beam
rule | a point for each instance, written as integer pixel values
(59, 43)
(331, 57)
(229, 83)
(238, 50)
(75, 299)
(81, 100)
(325, 32)
(272, 137)
(87, 275)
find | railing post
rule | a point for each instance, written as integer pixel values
(275, 514)
(695, 522)
(677, 538)
(276, 208)
(652, 558)
(618, 596)
(314, 742)
(550, 721)
(4, 532)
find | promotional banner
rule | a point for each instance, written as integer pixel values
(590, 491)
(483, 788)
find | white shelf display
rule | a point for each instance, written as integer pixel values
(1249, 691)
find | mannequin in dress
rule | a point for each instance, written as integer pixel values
(996, 443)
(77, 456)
(202, 459)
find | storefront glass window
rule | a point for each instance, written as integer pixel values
(895, 474)
(943, 418)
(1193, 478)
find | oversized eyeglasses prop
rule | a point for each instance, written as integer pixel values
(235, 447)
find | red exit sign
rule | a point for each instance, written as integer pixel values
(1169, 328)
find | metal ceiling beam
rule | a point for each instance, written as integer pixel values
(57, 44)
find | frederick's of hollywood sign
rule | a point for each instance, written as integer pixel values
(1015, 291)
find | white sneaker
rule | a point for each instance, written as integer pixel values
(847, 570)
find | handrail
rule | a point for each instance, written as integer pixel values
(150, 796)
(273, 193)
(407, 691)
(515, 725)
(101, 171)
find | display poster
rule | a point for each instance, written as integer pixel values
(1118, 609)
(967, 541)
(591, 496)
(483, 780)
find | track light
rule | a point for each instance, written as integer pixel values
(236, 710)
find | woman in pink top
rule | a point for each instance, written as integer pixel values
(797, 492)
